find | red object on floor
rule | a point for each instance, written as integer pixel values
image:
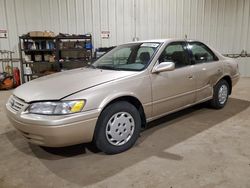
(16, 75)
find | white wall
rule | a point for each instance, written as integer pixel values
(68, 16)
(244, 66)
(223, 24)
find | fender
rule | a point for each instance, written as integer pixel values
(224, 75)
(115, 96)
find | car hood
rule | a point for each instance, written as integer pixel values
(59, 85)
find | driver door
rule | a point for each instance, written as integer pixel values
(175, 89)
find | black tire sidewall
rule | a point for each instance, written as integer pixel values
(215, 101)
(100, 132)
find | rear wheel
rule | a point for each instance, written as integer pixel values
(118, 128)
(220, 96)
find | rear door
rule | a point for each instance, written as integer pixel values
(207, 69)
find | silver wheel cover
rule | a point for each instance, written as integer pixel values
(120, 128)
(222, 94)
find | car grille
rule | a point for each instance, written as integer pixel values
(16, 104)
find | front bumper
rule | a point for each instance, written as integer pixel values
(55, 131)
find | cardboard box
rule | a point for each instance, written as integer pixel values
(41, 34)
(38, 57)
(48, 34)
(36, 34)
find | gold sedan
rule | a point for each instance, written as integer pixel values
(110, 101)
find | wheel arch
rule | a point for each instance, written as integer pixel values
(132, 100)
(228, 80)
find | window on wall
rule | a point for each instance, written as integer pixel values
(201, 53)
(176, 53)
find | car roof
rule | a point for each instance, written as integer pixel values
(165, 40)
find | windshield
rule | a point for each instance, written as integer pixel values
(130, 57)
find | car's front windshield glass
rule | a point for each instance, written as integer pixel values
(130, 57)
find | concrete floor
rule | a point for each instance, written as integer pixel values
(197, 147)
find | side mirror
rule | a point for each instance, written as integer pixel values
(164, 66)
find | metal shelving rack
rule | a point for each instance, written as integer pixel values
(57, 46)
(72, 56)
(7, 64)
(32, 47)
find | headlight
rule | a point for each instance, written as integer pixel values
(56, 108)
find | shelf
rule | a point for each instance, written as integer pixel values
(41, 50)
(37, 38)
(9, 60)
(74, 61)
(80, 56)
(88, 37)
(74, 49)
(39, 62)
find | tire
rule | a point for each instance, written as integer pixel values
(220, 95)
(118, 128)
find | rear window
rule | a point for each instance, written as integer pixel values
(201, 53)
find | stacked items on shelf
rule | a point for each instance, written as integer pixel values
(74, 50)
(39, 52)
(44, 53)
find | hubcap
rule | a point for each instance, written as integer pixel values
(223, 92)
(120, 128)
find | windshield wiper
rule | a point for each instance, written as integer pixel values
(106, 67)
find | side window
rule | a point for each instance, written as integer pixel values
(201, 53)
(176, 53)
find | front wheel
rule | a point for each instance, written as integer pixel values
(118, 128)
(220, 96)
